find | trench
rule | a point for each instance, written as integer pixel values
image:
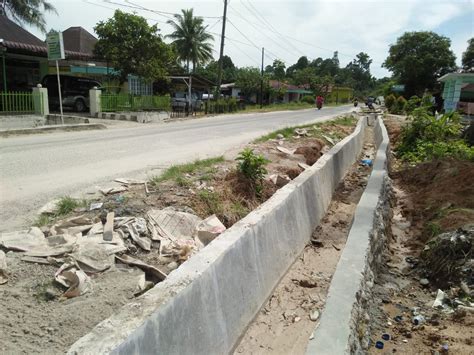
(286, 321)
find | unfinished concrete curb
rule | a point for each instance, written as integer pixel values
(48, 129)
(204, 306)
(344, 325)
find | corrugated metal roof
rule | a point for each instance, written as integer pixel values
(18, 40)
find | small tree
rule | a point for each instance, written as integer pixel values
(468, 56)
(131, 46)
(252, 166)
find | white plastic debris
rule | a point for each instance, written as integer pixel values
(96, 206)
(439, 299)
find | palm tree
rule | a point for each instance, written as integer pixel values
(28, 12)
(191, 39)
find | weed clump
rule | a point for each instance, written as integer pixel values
(252, 167)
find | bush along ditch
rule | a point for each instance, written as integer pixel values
(427, 137)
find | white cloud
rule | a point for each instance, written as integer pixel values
(348, 26)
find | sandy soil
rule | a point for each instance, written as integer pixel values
(284, 324)
(430, 194)
(36, 319)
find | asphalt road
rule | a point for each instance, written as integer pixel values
(38, 168)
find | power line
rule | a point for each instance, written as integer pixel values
(270, 26)
(259, 29)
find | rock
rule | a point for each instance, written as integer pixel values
(297, 319)
(279, 136)
(424, 282)
(314, 315)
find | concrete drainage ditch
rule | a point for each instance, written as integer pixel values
(205, 305)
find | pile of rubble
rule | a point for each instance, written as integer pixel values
(83, 247)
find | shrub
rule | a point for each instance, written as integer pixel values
(413, 103)
(399, 106)
(252, 166)
(308, 99)
(390, 101)
(428, 138)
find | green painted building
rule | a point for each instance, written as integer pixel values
(458, 92)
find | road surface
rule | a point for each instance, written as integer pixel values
(38, 168)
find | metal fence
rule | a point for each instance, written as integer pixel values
(21, 102)
(221, 106)
(127, 102)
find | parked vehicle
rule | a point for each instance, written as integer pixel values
(180, 102)
(74, 91)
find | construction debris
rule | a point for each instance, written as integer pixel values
(151, 271)
(113, 190)
(279, 180)
(129, 181)
(50, 207)
(76, 280)
(209, 229)
(22, 240)
(96, 206)
(285, 150)
(301, 132)
(109, 227)
(329, 139)
(3, 268)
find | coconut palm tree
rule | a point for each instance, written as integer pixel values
(191, 39)
(29, 12)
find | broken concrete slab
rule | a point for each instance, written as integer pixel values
(3, 268)
(50, 207)
(22, 240)
(109, 227)
(152, 271)
(279, 180)
(113, 190)
(76, 280)
(72, 226)
(129, 181)
(285, 150)
(171, 224)
(208, 229)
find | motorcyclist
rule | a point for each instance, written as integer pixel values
(356, 102)
(319, 102)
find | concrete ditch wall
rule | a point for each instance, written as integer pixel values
(344, 327)
(204, 306)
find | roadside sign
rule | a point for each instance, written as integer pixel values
(398, 88)
(54, 41)
(55, 44)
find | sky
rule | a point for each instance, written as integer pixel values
(288, 29)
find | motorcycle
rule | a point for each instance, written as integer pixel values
(356, 103)
(319, 105)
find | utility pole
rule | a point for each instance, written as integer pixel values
(261, 80)
(219, 72)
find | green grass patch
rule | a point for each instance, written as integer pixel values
(65, 206)
(177, 172)
(317, 129)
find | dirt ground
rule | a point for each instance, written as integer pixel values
(37, 318)
(287, 320)
(429, 198)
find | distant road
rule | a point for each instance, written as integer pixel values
(35, 169)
